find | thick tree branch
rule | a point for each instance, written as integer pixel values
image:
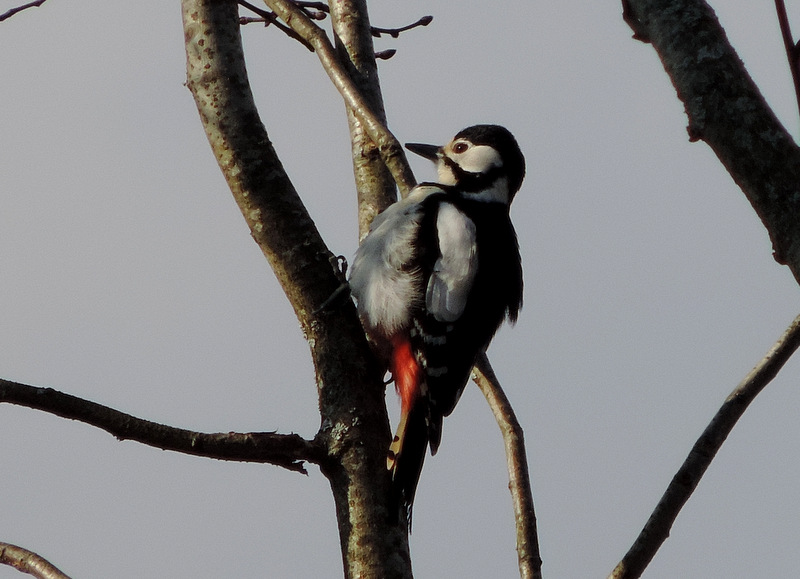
(390, 149)
(355, 426)
(530, 562)
(727, 111)
(28, 562)
(656, 531)
(284, 450)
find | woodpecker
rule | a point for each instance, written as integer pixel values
(434, 279)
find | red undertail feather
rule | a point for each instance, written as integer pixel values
(407, 451)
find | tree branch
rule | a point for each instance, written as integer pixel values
(656, 531)
(29, 562)
(284, 450)
(727, 111)
(375, 186)
(9, 13)
(390, 149)
(355, 426)
(530, 562)
(395, 32)
(791, 47)
(268, 18)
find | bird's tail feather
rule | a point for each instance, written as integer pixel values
(406, 456)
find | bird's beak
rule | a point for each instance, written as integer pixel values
(431, 152)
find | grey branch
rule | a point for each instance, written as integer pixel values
(28, 562)
(286, 450)
(389, 147)
(727, 111)
(656, 531)
(530, 562)
(9, 13)
(355, 426)
(375, 185)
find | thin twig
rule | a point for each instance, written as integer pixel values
(389, 147)
(286, 450)
(656, 531)
(519, 483)
(29, 562)
(792, 53)
(9, 13)
(395, 32)
(268, 18)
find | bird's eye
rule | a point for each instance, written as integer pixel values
(460, 147)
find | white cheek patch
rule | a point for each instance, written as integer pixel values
(478, 159)
(454, 271)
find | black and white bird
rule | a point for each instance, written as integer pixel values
(434, 279)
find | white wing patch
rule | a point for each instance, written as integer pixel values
(454, 271)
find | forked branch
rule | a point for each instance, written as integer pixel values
(530, 562)
(656, 531)
(390, 149)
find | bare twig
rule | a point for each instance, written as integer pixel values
(285, 450)
(656, 531)
(317, 11)
(266, 17)
(9, 13)
(530, 562)
(385, 54)
(390, 149)
(395, 32)
(792, 51)
(28, 562)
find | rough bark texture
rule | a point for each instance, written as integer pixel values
(355, 428)
(727, 111)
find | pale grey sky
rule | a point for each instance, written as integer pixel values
(127, 276)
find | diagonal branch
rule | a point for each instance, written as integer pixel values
(375, 186)
(389, 147)
(519, 483)
(656, 531)
(285, 450)
(728, 112)
(792, 52)
(29, 562)
(12, 11)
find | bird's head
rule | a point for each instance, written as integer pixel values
(483, 162)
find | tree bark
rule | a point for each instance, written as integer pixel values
(355, 426)
(374, 183)
(728, 112)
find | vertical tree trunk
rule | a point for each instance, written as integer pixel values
(355, 426)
